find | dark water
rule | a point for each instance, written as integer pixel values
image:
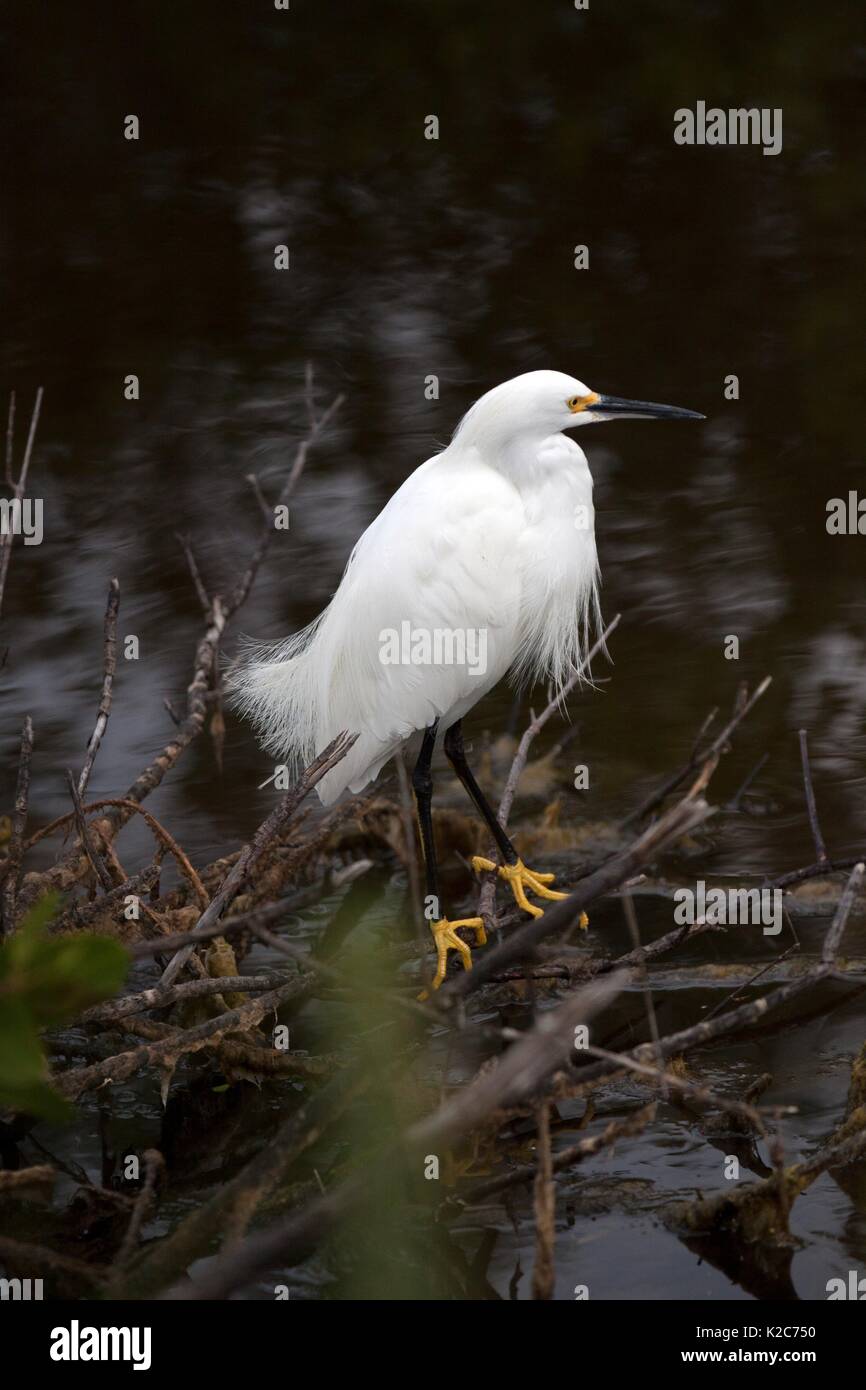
(454, 257)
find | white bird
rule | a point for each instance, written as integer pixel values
(482, 563)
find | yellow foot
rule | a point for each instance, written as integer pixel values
(446, 939)
(519, 879)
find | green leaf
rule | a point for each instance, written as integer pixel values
(46, 980)
(19, 948)
(59, 976)
(70, 973)
(24, 1079)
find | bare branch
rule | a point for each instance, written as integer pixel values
(198, 582)
(317, 426)
(833, 939)
(267, 831)
(708, 758)
(96, 862)
(109, 666)
(811, 806)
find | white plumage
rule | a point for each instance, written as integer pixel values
(495, 535)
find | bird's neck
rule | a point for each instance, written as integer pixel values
(526, 458)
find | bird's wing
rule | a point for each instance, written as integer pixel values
(438, 565)
(426, 615)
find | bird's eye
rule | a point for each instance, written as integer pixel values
(572, 402)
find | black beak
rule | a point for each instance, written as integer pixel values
(641, 410)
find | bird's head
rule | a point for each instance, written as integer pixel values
(542, 403)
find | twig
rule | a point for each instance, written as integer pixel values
(250, 921)
(144, 1203)
(158, 829)
(543, 1275)
(317, 426)
(75, 1082)
(198, 583)
(66, 873)
(267, 831)
(234, 1203)
(833, 939)
(309, 396)
(172, 713)
(540, 720)
(710, 719)
(668, 1080)
(109, 666)
(736, 799)
(96, 862)
(80, 912)
(708, 757)
(566, 1158)
(811, 806)
(753, 979)
(159, 998)
(517, 1077)
(745, 1015)
(260, 498)
(680, 820)
(634, 933)
(829, 866)
(341, 979)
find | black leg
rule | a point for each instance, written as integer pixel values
(456, 755)
(422, 785)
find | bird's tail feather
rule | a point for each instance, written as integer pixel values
(276, 686)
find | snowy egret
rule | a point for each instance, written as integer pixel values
(483, 562)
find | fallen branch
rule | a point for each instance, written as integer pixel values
(164, 1053)
(160, 998)
(257, 916)
(36, 1183)
(229, 1210)
(566, 1158)
(516, 1077)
